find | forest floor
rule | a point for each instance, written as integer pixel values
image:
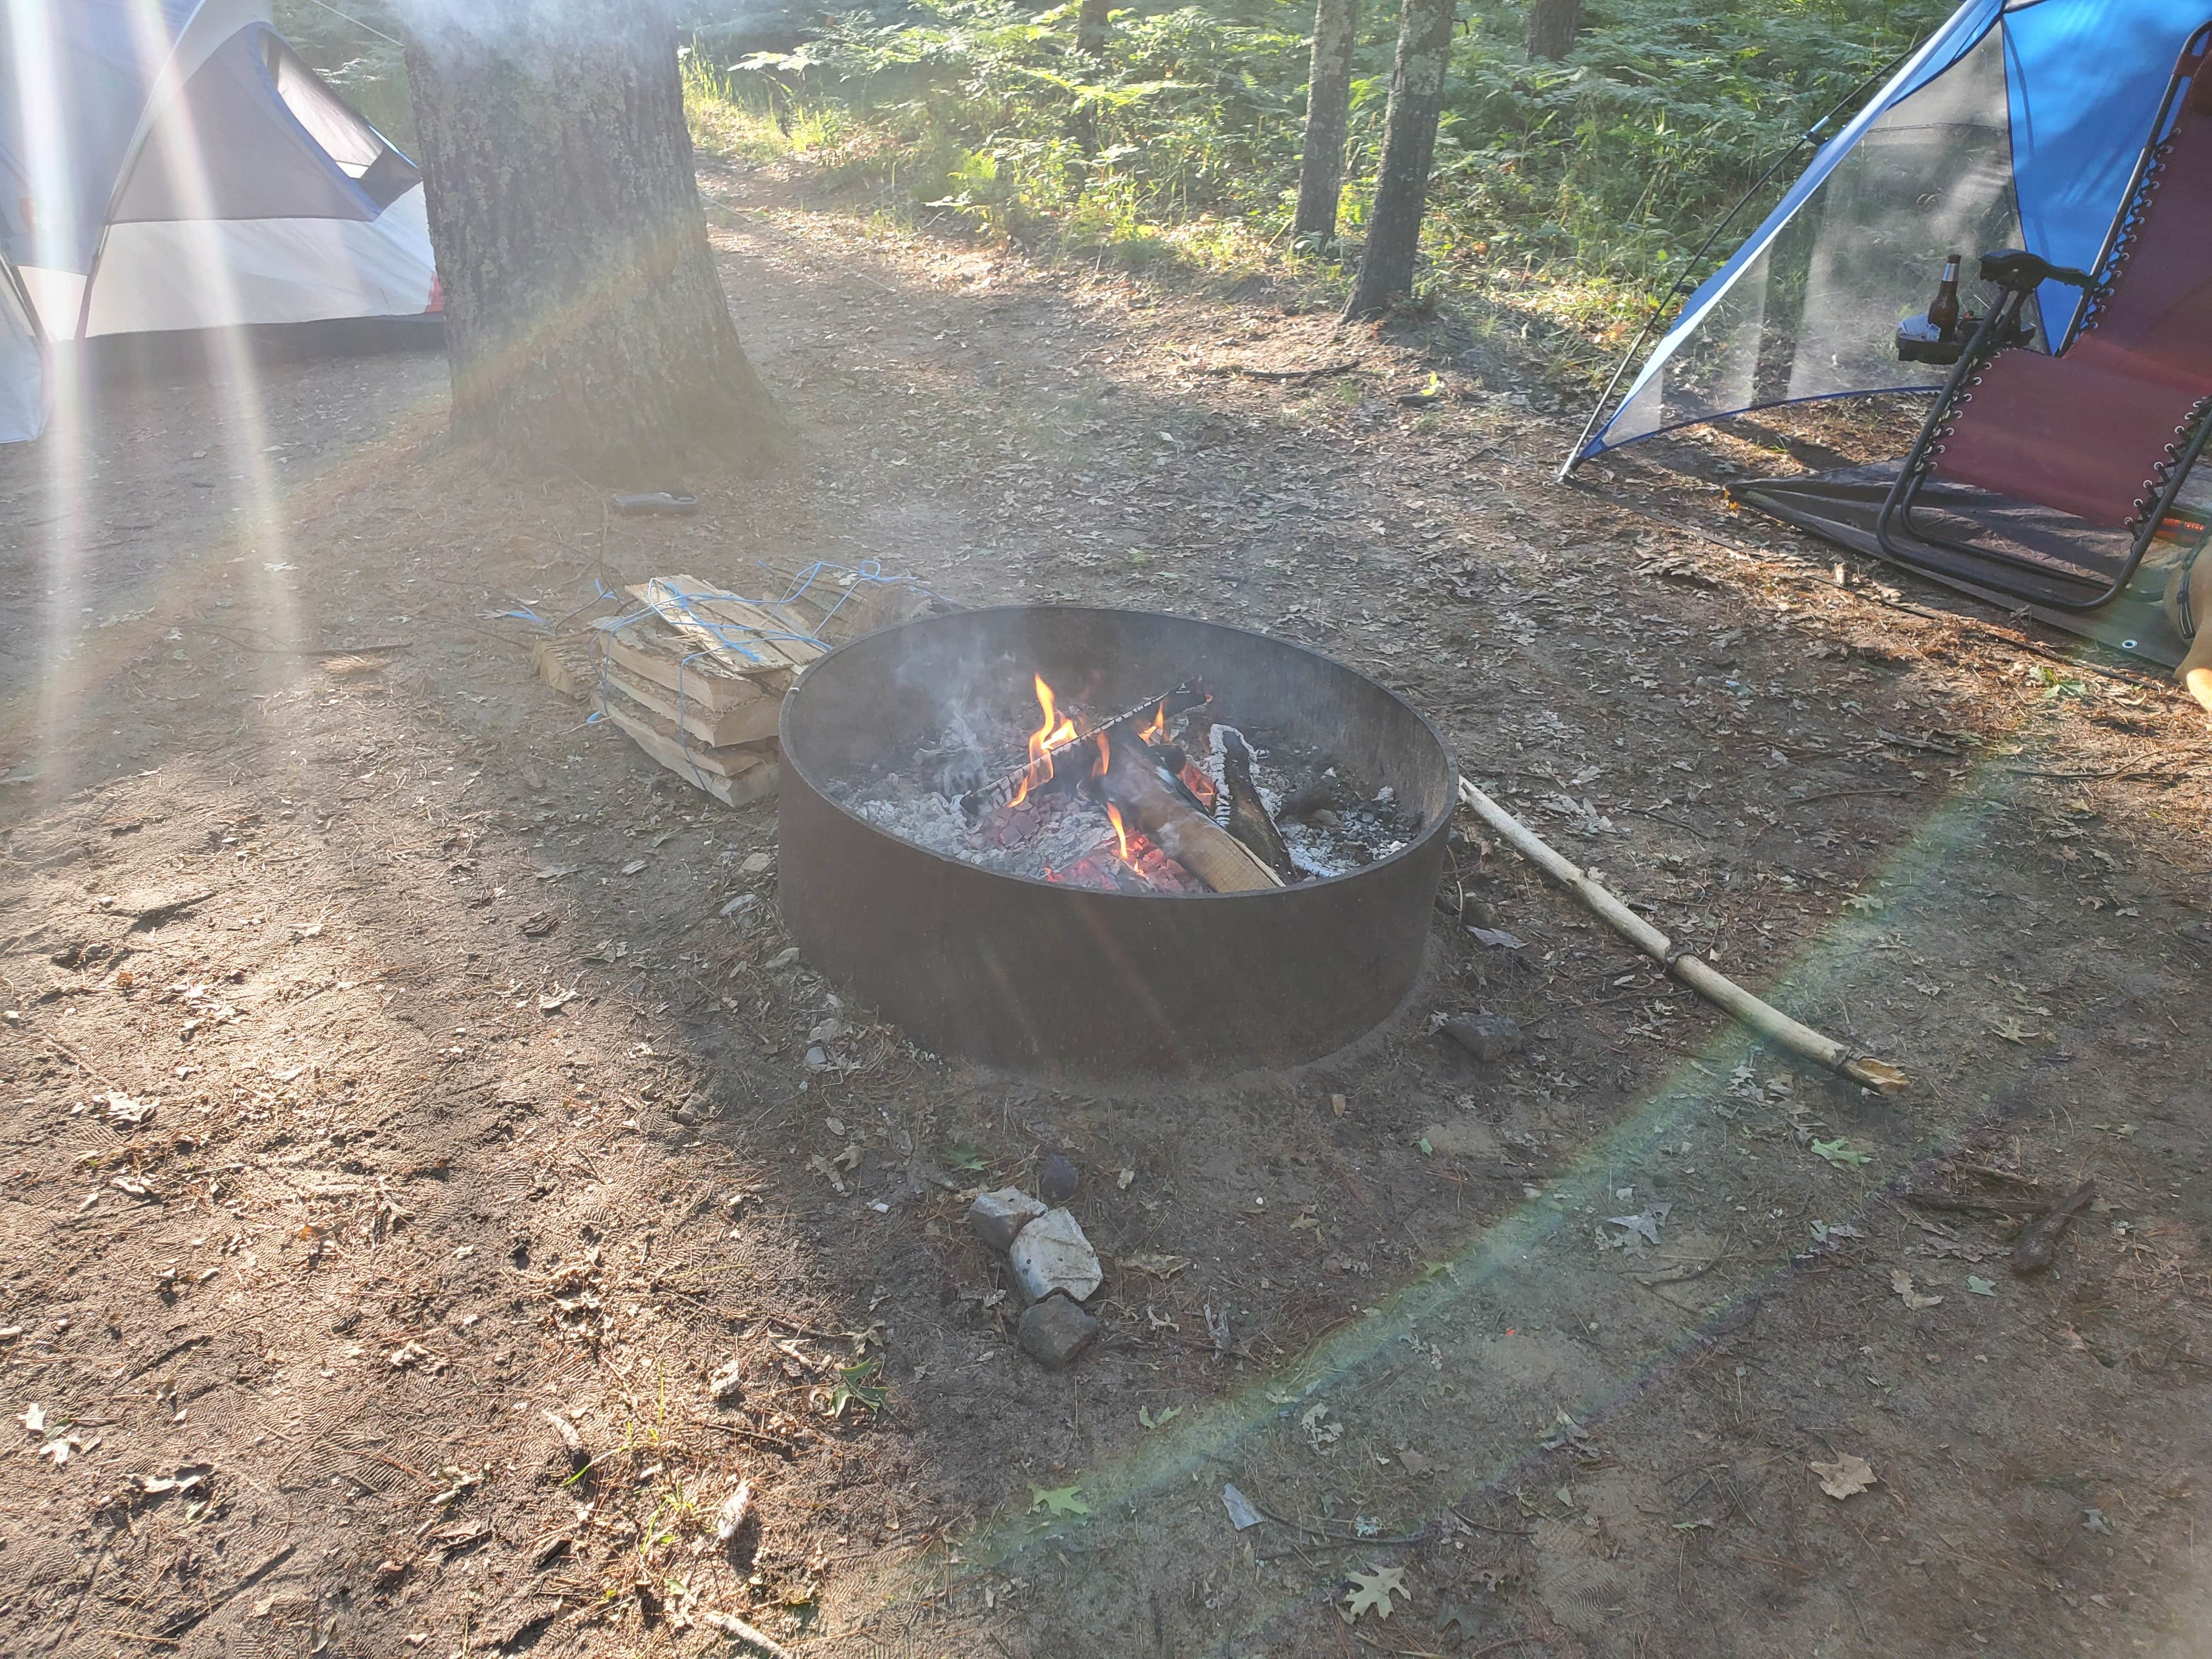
(382, 1081)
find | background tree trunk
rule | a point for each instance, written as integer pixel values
(1552, 27)
(1091, 27)
(1091, 46)
(585, 325)
(1409, 145)
(1328, 104)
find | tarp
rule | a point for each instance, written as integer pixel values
(173, 164)
(2014, 123)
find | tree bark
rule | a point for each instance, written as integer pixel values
(1329, 105)
(1409, 145)
(586, 325)
(1091, 46)
(1090, 28)
(1552, 27)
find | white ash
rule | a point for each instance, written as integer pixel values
(1063, 835)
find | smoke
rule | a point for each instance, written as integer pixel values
(511, 24)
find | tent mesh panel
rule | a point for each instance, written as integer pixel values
(1814, 314)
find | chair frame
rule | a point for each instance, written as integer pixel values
(1997, 331)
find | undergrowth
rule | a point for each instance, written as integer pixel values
(1583, 186)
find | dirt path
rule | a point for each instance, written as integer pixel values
(474, 1124)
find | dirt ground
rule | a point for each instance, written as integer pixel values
(387, 1097)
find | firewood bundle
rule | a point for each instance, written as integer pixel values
(696, 675)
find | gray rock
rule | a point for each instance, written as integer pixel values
(1055, 1333)
(995, 1217)
(1488, 1037)
(1056, 1178)
(1051, 1253)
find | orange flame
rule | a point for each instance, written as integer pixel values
(1105, 756)
(1121, 834)
(1047, 738)
(1159, 728)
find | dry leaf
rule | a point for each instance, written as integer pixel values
(1901, 1282)
(1849, 1475)
(1155, 1262)
(1371, 1590)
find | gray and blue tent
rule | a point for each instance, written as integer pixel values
(174, 164)
(2014, 124)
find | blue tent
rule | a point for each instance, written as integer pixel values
(173, 164)
(2016, 124)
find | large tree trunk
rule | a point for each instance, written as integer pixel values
(585, 324)
(1552, 27)
(1409, 145)
(1328, 104)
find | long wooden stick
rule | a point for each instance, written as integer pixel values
(1708, 983)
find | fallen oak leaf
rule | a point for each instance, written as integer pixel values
(1059, 1500)
(1371, 1590)
(1848, 1476)
(1839, 1153)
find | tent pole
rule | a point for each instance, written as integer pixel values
(1810, 136)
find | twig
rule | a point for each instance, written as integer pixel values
(1968, 1205)
(1285, 375)
(1708, 983)
(1420, 1537)
(1835, 794)
(179, 1625)
(53, 1042)
(1990, 1173)
(736, 1627)
(2032, 1250)
(769, 1440)
(1485, 1525)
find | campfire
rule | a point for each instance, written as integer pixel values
(1083, 841)
(1168, 795)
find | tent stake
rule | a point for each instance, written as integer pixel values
(1707, 982)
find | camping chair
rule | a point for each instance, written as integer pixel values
(2106, 430)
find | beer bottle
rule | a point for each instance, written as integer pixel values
(1944, 309)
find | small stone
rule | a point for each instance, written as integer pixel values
(1055, 1333)
(1056, 1178)
(1324, 819)
(1488, 1037)
(727, 1383)
(757, 864)
(1051, 1253)
(995, 1217)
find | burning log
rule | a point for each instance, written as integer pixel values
(1239, 808)
(1133, 782)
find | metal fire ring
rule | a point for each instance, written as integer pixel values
(1036, 977)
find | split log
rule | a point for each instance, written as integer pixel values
(1186, 835)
